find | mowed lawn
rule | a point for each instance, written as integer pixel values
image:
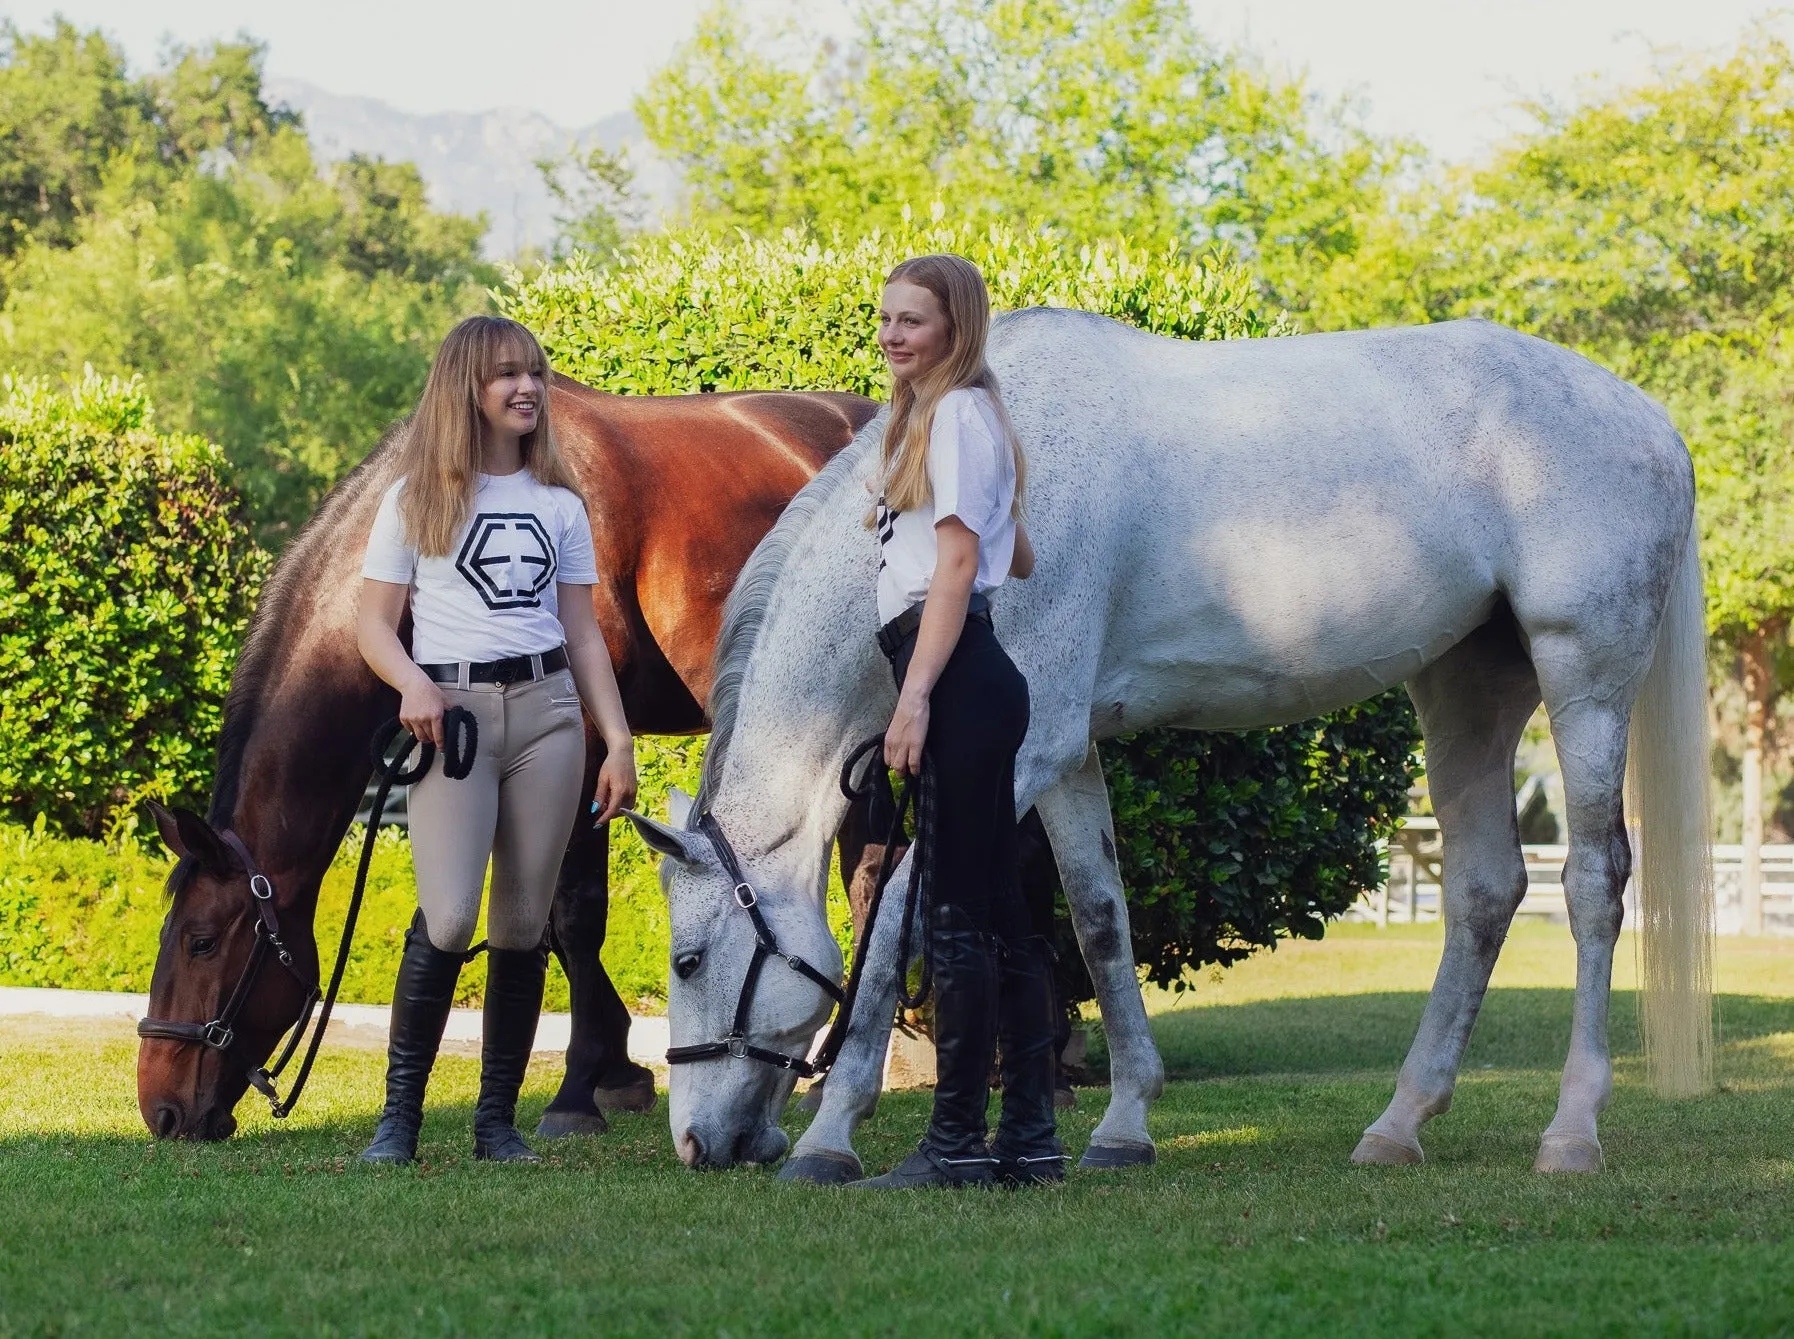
(1252, 1221)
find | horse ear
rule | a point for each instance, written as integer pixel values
(674, 843)
(190, 836)
(679, 808)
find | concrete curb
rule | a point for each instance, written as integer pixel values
(365, 1024)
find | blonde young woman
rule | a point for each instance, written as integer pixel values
(949, 533)
(485, 538)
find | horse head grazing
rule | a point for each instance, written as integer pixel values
(751, 946)
(218, 1004)
(753, 979)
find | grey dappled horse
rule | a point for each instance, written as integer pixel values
(1234, 535)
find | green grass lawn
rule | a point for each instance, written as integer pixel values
(1252, 1222)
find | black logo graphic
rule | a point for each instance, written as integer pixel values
(886, 521)
(507, 558)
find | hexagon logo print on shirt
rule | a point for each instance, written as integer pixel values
(508, 559)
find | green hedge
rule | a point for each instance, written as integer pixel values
(84, 915)
(126, 581)
(1226, 841)
(679, 313)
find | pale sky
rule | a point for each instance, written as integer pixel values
(1441, 71)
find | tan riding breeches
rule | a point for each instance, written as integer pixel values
(518, 807)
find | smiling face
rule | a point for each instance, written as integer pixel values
(511, 399)
(913, 330)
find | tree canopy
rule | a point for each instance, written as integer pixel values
(1084, 117)
(177, 226)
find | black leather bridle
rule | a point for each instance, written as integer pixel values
(461, 745)
(221, 1033)
(766, 945)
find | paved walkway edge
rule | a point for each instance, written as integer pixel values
(647, 1034)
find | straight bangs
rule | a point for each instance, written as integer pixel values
(959, 287)
(442, 454)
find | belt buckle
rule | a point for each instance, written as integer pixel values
(506, 673)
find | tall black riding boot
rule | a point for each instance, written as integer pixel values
(953, 1152)
(421, 1000)
(514, 979)
(1025, 1147)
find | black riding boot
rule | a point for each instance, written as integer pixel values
(953, 1152)
(1025, 1147)
(421, 1000)
(514, 980)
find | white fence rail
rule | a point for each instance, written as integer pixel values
(1416, 866)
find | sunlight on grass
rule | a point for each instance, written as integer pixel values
(1252, 1221)
(1238, 1135)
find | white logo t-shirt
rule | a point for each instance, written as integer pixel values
(971, 475)
(492, 596)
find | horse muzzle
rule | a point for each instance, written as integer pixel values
(706, 1150)
(169, 1119)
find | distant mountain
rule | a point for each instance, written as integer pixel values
(473, 161)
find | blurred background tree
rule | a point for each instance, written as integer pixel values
(178, 226)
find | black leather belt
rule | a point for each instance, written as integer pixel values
(899, 630)
(518, 669)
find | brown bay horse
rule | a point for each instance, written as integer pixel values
(679, 490)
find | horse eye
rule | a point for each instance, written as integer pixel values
(200, 945)
(687, 963)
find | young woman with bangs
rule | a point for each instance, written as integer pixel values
(949, 531)
(485, 539)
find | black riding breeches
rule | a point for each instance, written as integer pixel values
(978, 714)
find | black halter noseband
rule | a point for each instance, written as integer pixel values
(461, 736)
(221, 1032)
(766, 945)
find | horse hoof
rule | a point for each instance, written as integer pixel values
(637, 1096)
(822, 1169)
(1114, 1157)
(1568, 1153)
(1375, 1150)
(560, 1124)
(811, 1099)
(1064, 1099)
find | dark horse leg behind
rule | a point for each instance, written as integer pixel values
(599, 1075)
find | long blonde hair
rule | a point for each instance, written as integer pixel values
(441, 454)
(959, 288)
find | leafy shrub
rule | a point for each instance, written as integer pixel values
(126, 580)
(86, 915)
(1227, 840)
(681, 313)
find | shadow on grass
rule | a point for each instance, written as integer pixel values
(1517, 1029)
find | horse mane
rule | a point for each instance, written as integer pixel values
(270, 626)
(744, 613)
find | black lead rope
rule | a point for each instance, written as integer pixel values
(461, 742)
(917, 797)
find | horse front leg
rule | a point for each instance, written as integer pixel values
(1075, 812)
(824, 1155)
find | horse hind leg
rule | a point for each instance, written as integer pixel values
(599, 1075)
(1473, 703)
(1588, 692)
(1075, 813)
